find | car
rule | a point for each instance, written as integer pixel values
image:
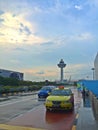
(61, 98)
(45, 91)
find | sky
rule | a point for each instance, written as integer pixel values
(36, 34)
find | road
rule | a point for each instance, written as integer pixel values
(28, 112)
(17, 106)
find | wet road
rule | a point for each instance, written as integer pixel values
(16, 106)
(38, 118)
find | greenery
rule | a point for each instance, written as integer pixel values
(12, 85)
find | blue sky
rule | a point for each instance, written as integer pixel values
(36, 34)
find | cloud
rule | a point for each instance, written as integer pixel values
(76, 71)
(15, 61)
(24, 29)
(40, 72)
(78, 7)
(64, 40)
(17, 30)
(39, 33)
(1, 20)
(1, 34)
(1, 12)
(19, 49)
(86, 36)
(48, 43)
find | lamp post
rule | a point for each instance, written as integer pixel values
(93, 69)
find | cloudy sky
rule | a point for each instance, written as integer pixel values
(36, 34)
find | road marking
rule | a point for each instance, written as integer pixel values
(77, 116)
(22, 100)
(74, 127)
(9, 127)
(75, 122)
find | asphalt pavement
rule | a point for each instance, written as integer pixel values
(86, 119)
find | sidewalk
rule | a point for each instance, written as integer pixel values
(86, 120)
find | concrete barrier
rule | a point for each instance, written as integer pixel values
(94, 104)
(96, 107)
(90, 96)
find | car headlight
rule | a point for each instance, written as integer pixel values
(48, 93)
(48, 101)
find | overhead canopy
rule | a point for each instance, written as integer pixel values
(91, 85)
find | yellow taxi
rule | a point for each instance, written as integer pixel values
(61, 98)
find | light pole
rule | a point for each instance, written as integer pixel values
(93, 69)
(61, 65)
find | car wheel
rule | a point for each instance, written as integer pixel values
(72, 107)
(47, 109)
(38, 99)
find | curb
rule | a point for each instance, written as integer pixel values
(18, 94)
(75, 122)
(5, 97)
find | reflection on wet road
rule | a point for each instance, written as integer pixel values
(38, 117)
(59, 120)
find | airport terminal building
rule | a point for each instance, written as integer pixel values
(11, 74)
(96, 67)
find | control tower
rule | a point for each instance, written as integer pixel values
(61, 65)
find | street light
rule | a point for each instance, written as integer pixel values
(93, 72)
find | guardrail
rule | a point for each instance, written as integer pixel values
(8, 96)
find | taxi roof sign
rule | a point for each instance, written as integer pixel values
(61, 87)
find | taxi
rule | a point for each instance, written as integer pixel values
(61, 98)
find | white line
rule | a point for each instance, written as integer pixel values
(16, 102)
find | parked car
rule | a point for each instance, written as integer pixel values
(45, 91)
(61, 98)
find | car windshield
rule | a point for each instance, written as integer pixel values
(62, 92)
(46, 88)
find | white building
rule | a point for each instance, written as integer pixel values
(11, 74)
(96, 67)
